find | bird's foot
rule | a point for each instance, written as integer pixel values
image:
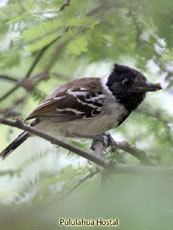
(111, 142)
(100, 138)
(105, 138)
(107, 141)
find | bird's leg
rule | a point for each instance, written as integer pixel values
(107, 141)
(111, 142)
(105, 138)
(101, 138)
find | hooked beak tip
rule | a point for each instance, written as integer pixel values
(153, 86)
(159, 85)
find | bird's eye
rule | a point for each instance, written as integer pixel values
(127, 81)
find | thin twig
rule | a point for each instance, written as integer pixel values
(64, 5)
(60, 76)
(29, 87)
(38, 57)
(8, 112)
(136, 152)
(8, 78)
(35, 62)
(10, 91)
(96, 12)
(42, 51)
(81, 181)
(11, 110)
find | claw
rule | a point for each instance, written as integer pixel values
(98, 138)
(111, 142)
(107, 141)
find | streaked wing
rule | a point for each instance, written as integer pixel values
(70, 104)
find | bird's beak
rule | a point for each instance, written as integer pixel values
(149, 87)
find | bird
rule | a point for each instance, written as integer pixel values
(88, 107)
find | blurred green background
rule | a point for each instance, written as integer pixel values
(44, 43)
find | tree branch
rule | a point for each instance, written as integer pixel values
(64, 5)
(112, 166)
(8, 78)
(96, 12)
(39, 56)
(53, 140)
(18, 84)
(42, 51)
(8, 113)
(136, 152)
(102, 7)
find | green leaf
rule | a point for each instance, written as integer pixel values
(41, 43)
(78, 45)
(41, 30)
(168, 55)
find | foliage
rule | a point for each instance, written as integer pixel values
(84, 39)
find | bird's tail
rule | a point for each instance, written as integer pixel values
(14, 144)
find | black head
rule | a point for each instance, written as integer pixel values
(129, 86)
